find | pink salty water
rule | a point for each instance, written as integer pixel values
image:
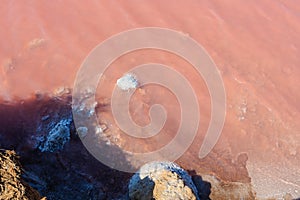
(255, 44)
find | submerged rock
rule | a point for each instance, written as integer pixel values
(162, 181)
(57, 137)
(82, 131)
(223, 190)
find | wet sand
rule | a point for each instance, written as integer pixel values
(256, 46)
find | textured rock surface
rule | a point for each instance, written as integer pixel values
(11, 184)
(162, 181)
(57, 137)
(221, 190)
(127, 82)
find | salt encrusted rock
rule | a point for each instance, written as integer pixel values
(162, 181)
(127, 82)
(82, 131)
(57, 137)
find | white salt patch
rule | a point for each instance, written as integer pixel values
(127, 82)
(98, 129)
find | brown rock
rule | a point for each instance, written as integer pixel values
(11, 184)
(162, 181)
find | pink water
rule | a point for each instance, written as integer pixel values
(255, 44)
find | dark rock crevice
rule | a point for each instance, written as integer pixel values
(67, 172)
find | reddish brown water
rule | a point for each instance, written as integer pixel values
(256, 46)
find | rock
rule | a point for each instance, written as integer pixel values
(60, 91)
(44, 118)
(162, 181)
(82, 131)
(36, 42)
(203, 187)
(11, 184)
(98, 130)
(57, 137)
(127, 82)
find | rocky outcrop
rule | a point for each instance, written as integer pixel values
(223, 190)
(166, 181)
(11, 184)
(54, 160)
(162, 181)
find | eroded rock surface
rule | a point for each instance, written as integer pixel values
(11, 184)
(162, 181)
(223, 190)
